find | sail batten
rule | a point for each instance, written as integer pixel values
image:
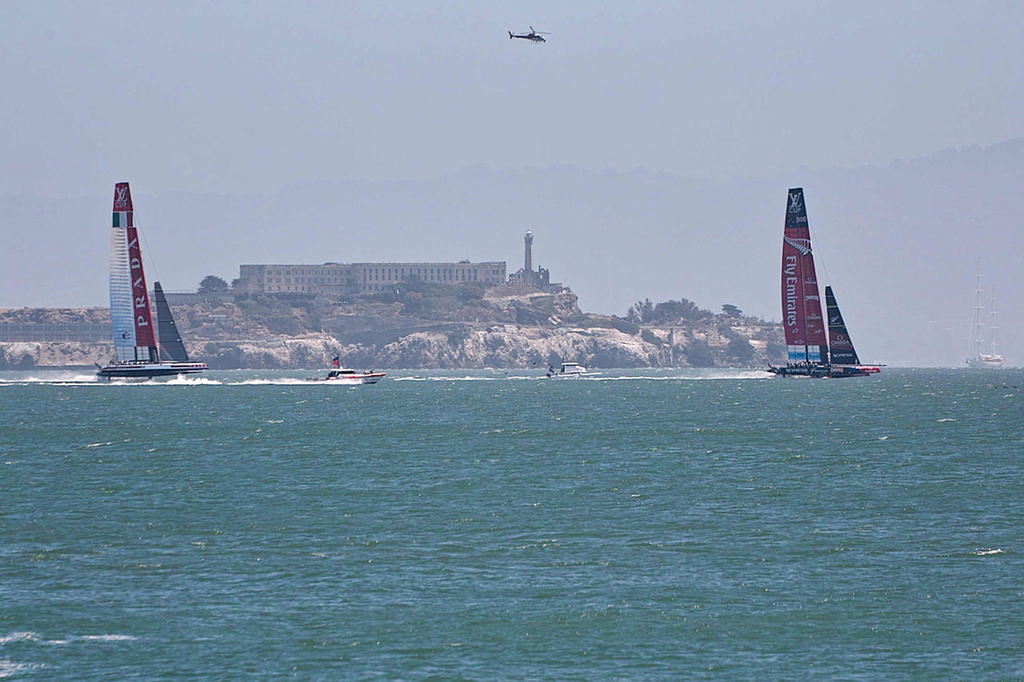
(121, 295)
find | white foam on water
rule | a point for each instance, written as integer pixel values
(191, 380)
(57, 378)
(284, 381)
(9, 668)
(108, 638)
(13, 637)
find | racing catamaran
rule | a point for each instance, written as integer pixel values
(807, 347)
(135, 340)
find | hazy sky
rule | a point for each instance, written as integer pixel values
(253, 96)
(248, 105)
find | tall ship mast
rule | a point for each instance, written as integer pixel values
(980, 359)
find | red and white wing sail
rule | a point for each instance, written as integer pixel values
(130, 312)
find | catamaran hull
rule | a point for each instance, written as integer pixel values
(846, 371)
(825, 371)
(148, 370)
(807, 371)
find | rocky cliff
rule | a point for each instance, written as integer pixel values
(405, 329)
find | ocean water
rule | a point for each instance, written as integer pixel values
(647, 525)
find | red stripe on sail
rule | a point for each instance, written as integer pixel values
(801, 303)
(144, 336)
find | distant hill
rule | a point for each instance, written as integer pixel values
(899, 244)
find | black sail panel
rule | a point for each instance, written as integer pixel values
(842, 349)
(170, 340)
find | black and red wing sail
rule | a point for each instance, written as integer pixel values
(801, 302)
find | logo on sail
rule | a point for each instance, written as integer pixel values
(796, 202)
(801, 245)
(121, 202)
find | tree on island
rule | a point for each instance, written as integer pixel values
(211, 287)
(666, 312)
(641, 312)
(211, 284)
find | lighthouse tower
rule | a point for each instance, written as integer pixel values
(527, 276)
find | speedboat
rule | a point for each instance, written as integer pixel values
(351, 376)
(568, 369)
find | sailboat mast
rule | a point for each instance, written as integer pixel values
(992, 325)
(976, 335)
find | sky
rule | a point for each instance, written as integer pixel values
(252, 99)
(251, 96)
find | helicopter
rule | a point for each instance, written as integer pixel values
(534, 36)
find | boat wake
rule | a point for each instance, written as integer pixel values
(59, 378)
(78, 378)
(186, 380)
(610, 375)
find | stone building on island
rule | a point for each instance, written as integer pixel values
(527, 276)
(337, 279)
(356, 278)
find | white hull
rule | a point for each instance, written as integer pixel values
(568, 369)
(350, 377)
(987, 362)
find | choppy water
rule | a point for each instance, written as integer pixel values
(479, 526)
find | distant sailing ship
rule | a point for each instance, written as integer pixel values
(136, 345)
(978, 359)
(809, 352)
